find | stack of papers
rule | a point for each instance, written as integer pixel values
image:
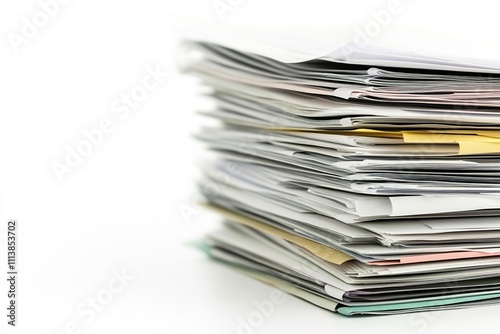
(362, 189)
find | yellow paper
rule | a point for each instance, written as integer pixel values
(468, 141)
(468, 144)
(468, 147)
(413, 137)
(489, 133)
(322, 251)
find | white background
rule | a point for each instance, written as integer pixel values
(120, 209)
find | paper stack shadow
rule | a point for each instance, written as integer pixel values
(362, 189)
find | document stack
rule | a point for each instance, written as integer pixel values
(363, 188)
